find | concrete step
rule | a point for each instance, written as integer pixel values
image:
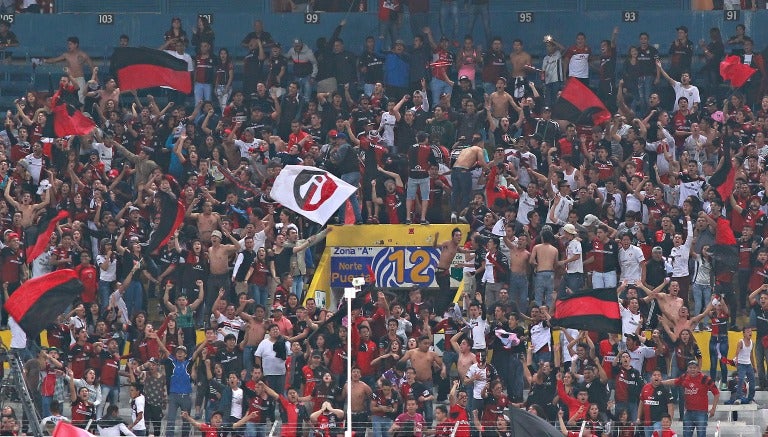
(737, 429)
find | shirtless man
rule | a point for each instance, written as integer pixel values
(255, 330)
(519, 264)
(218, 260)
(520, 60)
(423, 362)
(28, 210)
(359, 400)
(461, 176)
(500, 101)
(207, 221)
(466, 357)
(543, 259)
(669, 303)
(683, 321)
(75, 59)
(448, 250)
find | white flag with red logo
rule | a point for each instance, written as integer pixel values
(311, 192)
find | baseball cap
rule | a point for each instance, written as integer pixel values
(332, 133)
(571, 229)
(317, 354)
(400, 42)
(216, 233)
(277, 308)
(153, 359)
(657, 249)
(133, 208)
(590, 220)
(546, 109)
(342, 135)
(464, 77)
(297, 41)
(693, 363)
(180, 348)
(632, 336)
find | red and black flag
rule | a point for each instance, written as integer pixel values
(40, 300)
(592, 310)
(579, 105)
(68, 120)
(141, 67)
(37, 238)
(171, 217)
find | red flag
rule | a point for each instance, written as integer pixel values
(67, 120)
(726, 188)
(579, 105)
(172, 217)
(63, 429)
(594, 310)
(732, 69)
(38, 301)
(36, 243)
(142, 67)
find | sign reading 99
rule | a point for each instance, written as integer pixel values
(402, 266)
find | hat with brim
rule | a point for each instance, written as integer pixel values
(570, 229)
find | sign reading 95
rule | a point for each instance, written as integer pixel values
(394, 267)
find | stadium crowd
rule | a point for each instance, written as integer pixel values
(222, 332)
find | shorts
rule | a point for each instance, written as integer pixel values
(422, 185)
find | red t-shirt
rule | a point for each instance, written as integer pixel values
(89, 276)
(209, 430)
(695, 390)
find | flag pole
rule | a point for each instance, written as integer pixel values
(349, 294)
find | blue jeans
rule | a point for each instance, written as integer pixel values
(108, 394)
(203, 91)
(353, 179)
(573, 281)
(604, 280)
(437, 87)
(461, 179)
(298, 286)
(248, 359)
(381, 426)
(543, 286)
(695, 420)
(701, 296)
(305, 87)
(718, 343)
(449, 359)
(276, 382)
(259, 294)
(514, 378)
(518, 288)
(449, 15)
(550, 92)
(177, 401)
(255, 429)
(105, 290)
(368, 88)
(45, 403)
(644, 90)
(222, 96)
(746, 374)
(134, 297)
(483, 12)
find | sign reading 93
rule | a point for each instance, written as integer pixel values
(394, 267)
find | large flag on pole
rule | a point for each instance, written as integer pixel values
(592, 310)
(67, 120)
(37, 302)
(141, 67)
(314, 193)
(578, 104)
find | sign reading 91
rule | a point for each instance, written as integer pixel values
(394, 267)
